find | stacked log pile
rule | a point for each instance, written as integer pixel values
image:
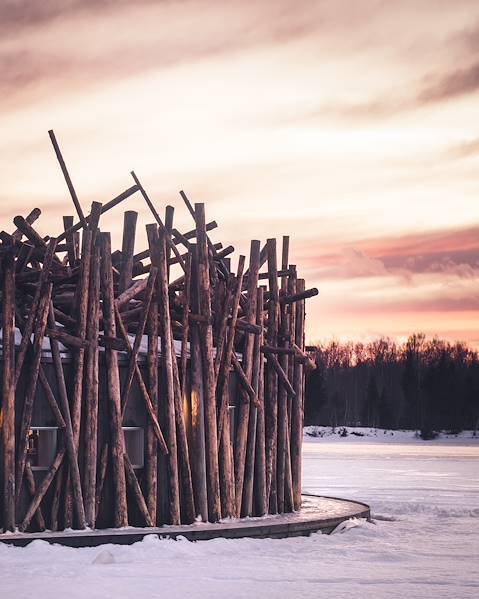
(202, 329)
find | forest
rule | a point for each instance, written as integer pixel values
(428, 385)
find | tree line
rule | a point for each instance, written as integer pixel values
(423, 384)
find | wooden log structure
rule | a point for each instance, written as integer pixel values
(146, 393)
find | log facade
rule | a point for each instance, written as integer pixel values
(150, 388)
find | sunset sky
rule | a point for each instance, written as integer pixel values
(351, 126)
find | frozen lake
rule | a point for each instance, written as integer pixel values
(424, 544)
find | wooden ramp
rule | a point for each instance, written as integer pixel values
(316, 514)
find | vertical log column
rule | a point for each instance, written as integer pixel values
(261, 499)
(158, 259)
(209, 378)
(151, 471)
(244, 404)
(297, 409)
(7, 413)
(117, 443)
(127, 249)
(283, 426)
(198, 454)
(272, 398)
(91, 390)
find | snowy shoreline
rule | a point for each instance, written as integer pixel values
(358, 434)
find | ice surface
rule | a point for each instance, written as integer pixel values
(425, 543)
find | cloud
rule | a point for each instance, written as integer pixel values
(450, 84)
(464, 150)
(430, 271)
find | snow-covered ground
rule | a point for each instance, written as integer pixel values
(424, 542)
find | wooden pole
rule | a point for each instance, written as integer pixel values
(166, 349)
(209, 379)
(244, 404)
(169, 241)
(136, 490)
(68, 180)
(42, 489)
(117, 444)
(132, 362)
(30, 218)
(32, 490)
(39, 331)
(69, 439)
(151, 468)
(7, 413)
(198, 454)
(127, 249)
(92, 380)
(28, 327)
(297, 411)
(271, 421)
(261, 504)
(108, 206)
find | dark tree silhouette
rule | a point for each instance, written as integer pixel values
(422, 384)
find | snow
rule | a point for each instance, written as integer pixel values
(424, 541)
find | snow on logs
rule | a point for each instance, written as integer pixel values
(98, 343)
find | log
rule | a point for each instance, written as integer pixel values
(143, 390)
(298, 297)
(29, 325)
(169, 241)
(136, 490)
(187, 497)
(151, 468)
(56, 499)
(166, 349)
(261, 499)
(72, 250)
(52, 402)
(224, 321)
(7, 413)
(108, 206)
(271, 422)
(132, 362)
(31, 490)
(92, 378)
(127, 250)
(69, 438)
(81, 316)
(282, 376)
(297, 412)
(226, 465)
(101, 476)
(185, 325)
(39, 331)
(68, 180)
(198, 454)
(248, 391)
(66, 339)
(209, 379)
(117, 441)
(42, 489)
(223, 374)
(131, 293)
(30, 218)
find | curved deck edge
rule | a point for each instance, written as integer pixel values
(317, 514)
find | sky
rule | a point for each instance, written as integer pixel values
(350, 126)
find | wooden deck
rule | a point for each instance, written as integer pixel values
(317, 514)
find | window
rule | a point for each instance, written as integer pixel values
(134, 445)
(42, 446)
